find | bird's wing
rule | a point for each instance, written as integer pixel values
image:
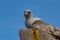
(40, 23)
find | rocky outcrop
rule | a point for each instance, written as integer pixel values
(26, 34)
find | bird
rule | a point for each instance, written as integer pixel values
(31, 21)
(37, 23)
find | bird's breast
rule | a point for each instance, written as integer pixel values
(29, 22)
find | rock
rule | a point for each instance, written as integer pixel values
(26, 34)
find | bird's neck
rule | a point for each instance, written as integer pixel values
(29, 18)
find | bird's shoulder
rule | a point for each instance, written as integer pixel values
(37, 18)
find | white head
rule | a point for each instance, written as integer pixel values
(27, 14)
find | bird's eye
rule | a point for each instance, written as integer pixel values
(29, 12)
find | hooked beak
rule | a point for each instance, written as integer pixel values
(27, 13)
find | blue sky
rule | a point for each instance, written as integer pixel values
(12, 15)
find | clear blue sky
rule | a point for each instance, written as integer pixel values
(12, 15)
